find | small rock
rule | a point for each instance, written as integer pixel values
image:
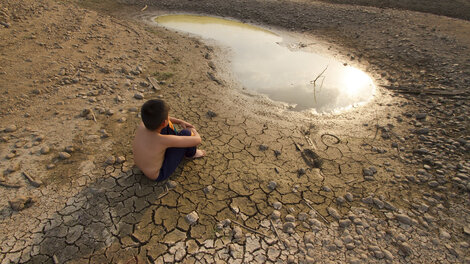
(423, 131)
(276, 215)
(272, 185)
(443, 234)
(345, 223)
(340, 200)
(211, 114)
(405, 249)
(120, 160)
(349, 197)
(301, 171)
(20, 202)
(367, 172)
(237, 232)
(208, 189)
(421, 116)
(277, 153)
(110, 160)
(192, 218)
(302, 216)
(226, 222)
(10, 128)
(404, 219)
(263, 147)
(69, 149)
(45, 150)
(290, 218)
(277, 205)
(15, 166)
(138, 96)
(466, 230)
(288, 227)
(333, 213)
(171, 184)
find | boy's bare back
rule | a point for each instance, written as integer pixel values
(149, 151)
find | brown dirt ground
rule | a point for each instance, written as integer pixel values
(59, 58)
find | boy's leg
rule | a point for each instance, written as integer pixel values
(173, 157)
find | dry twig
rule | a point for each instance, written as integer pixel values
(277, 234)
(249, 228)
(311, 207)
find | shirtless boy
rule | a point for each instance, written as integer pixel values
(158, 148)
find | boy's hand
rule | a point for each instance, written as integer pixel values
(185, 125)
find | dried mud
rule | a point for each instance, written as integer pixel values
(384, 183)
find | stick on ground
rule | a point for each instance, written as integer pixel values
(311, 207)
(249, 228)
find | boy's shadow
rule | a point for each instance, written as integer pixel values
(93, 219)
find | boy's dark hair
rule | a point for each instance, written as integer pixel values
(154, 113)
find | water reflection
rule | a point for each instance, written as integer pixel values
(262, 65)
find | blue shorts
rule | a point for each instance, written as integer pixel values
(173, 156)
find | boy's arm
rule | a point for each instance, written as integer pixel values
(181, 123)
(182, 141)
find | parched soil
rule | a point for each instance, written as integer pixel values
(383, 183)
(457, 9)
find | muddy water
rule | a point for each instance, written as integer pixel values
(263, 63)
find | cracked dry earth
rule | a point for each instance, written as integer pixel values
(386, 183)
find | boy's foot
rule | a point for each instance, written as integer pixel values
(199, 154)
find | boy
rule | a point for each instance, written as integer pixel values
(158, 148)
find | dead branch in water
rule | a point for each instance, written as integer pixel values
(314, 82)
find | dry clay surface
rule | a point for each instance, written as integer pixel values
(384, 183)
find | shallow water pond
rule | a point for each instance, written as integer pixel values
(262, 64)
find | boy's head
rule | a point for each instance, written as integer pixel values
(154, 113)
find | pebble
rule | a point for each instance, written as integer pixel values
(211, 114)
(226, 222)
(288, 227)
(20, 202)
(302, 216)
(69, 149)
(466, 230)
(110, 160)
(192, 218)
(10, 128)
(404, 219)
(345, 223)
(290, 218)
(139, 96)
(263, 147)
(276, 215)
(349, 197)
(171, 184)
(208, 189)
(237, 232)
(272, 185)
(277, 205)
(421, 116)
(340, 200)
(333, 213)
(443, 234)
(120, 159)
(45, 150)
